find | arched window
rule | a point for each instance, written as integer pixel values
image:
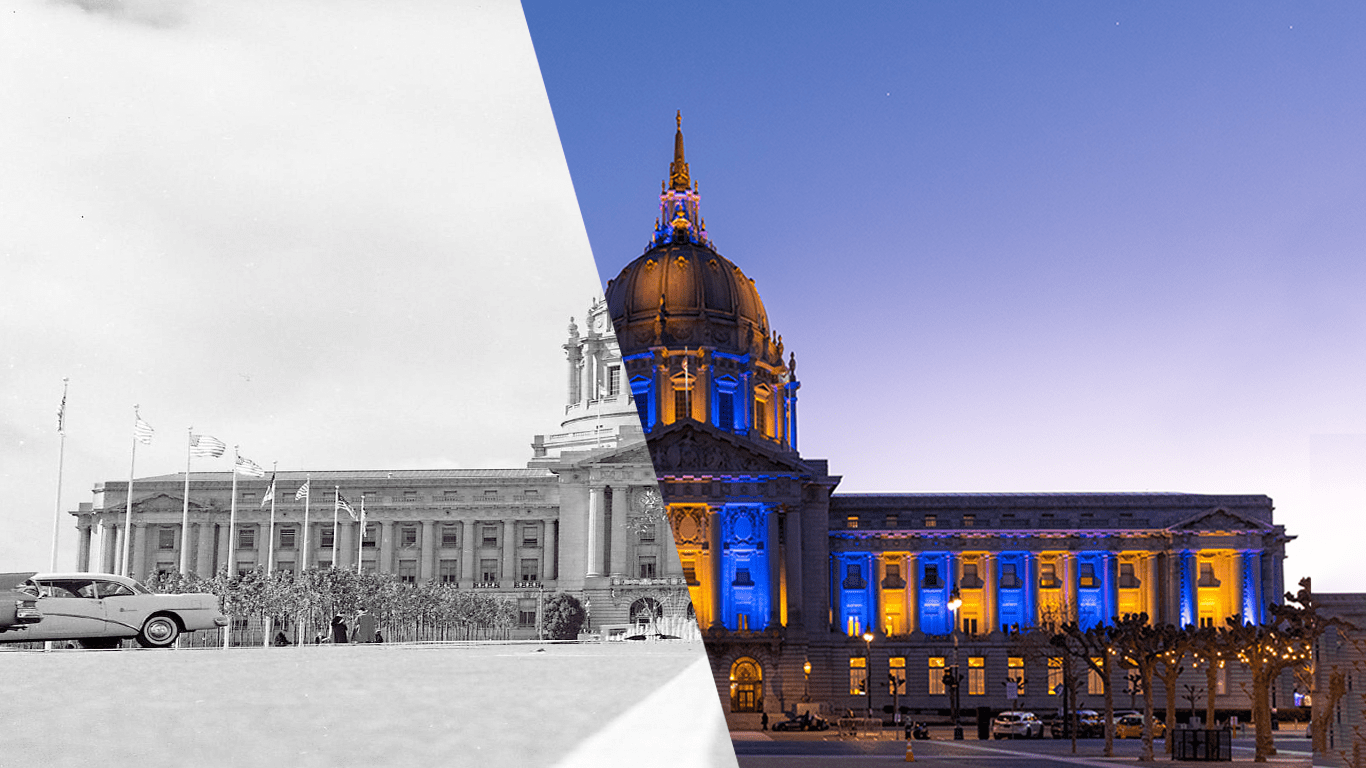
(746, 686)
(645, 610)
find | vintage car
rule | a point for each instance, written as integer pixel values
(1131, 727)
(100, 610)
(1012, 725)
(17, 609)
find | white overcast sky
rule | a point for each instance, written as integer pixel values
(339, 234)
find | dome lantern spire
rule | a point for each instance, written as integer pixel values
(679, 221)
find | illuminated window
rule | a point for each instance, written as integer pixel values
(931, 580)
(1009, 578)
(1048, 575)
(1015, 672)
(936, 675)
(746, 686)
(851, 521)
(1127, 580)
(1095, 684)
(1088, 575)
(896, 675)
(890, 521)
(977, 675)
(1207, 576)
(970, 579)
(931, 521)
(969, 521)
(858, 675)
(1055, 676)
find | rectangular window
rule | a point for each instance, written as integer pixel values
(531, 535)
(490, 494)
(853, 576)
(530, 570)
(407, 536)
(450, 495)
(166, 538)
(892, 579)
(977, 675)
(1095, 684)
(488, 570)
(725, 410)
(1015, 672)
(936, 675)
(682, 404)
(450, 536)
(246, 538)
(1207, 576)
(248, 497)
(742, 578)
(858, 676)
(690, 573)
(647, 534)
(761, 416)
(448, 571)
(368, 535)
(1127, 579)
(896, 675)
(931, 521)
(326, 536)
(970, 579)
(490, 535)
(642, 401)
(647, 567)
(1054, 675)
(1048, 575)
(407, 571)
(969, 521)
(851, 521)
(889, 522)
(1009, 578)
(970, 626)
(526, 612)
(410, 495)
(931, 580)
(324, 563)
(1088, 575)
(287, 538)
(613, 380)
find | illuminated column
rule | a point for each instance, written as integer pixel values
(595, 516)
(714, 548)
(662, 388)
(877, 607)
(551, 550)
(467, 552)
(793, 550)
(621, 503)
(1150, 588)
(990, 623)
(1233, 591)
(1108, 585)
(425, 565)
(1030, 563)
(955, 571)
(1252, 592)
(774, 575)
(386, 546)
(791, 389)
(509, 554)
(139, 569)
(1187, 588)
(203, 564)
(912, 592)
(701, 389)
(1069, 585)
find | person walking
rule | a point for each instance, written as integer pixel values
(763, 721)
(338, 630)
(365, 627)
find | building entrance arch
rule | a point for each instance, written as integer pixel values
(746, 685)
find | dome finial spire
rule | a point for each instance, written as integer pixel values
(678, 169)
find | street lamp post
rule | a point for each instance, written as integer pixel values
(952, 678)
(806, 688)
(868, 669)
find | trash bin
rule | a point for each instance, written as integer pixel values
(984, 723)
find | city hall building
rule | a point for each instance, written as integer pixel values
(787, 576)
(584, 516)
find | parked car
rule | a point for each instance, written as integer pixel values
(803, 722)
(1131, 727)
(99, 610)
(17, 609)
(1016, 725)
(1090, 724)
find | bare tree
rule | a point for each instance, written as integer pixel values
(1092, 648)
(1141, 646)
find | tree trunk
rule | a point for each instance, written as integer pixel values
(1211, 685)
(1109, 708)
(1146, 678)
(1169, 684)
(1261, 712)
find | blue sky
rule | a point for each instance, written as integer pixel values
(1080, 246)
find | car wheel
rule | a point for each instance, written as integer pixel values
(158, 632)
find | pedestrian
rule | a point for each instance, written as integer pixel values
(378, 637)
(338, 629)
(365, 627)
(280, 639)
(763, 721)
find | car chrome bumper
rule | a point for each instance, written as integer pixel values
(220, 621)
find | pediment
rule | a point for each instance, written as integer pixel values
(700, 450)
(635, 453)
(163, 502)
(1219, 519)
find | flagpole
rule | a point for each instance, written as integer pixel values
(185, 509)
(126, 552)
(360, 537)
(61, 458)
(270, 553)
(336, 507)
(303, 559)
(232, 543)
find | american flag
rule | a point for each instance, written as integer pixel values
(343, 504)
(249, 468)
(204, 445)
(142, 431)
(302, 493)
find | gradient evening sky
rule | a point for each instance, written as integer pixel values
(1019, 247)
(339, 234)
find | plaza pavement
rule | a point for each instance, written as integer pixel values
(367, 706)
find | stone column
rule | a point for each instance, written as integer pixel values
(1189, 573)
(714, 549)
(575, 354)
(139, 569)
(912, 592)
(467, 552)
(83, 549)
(793, 552)
(106, 548)
(775, 592)
(346, 544)
(225, 552)
(1236, 583)
(1030, 561)
(1150, 580)
(621, 503)
(386, 546)
(509, 554)
(701, 388)
(425, 565)
(990, 621)
(1253, 569)
(595, 532)
(1069, 585)
(204, 557)
(551, 550)
(1108, 563)
(876, 605)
